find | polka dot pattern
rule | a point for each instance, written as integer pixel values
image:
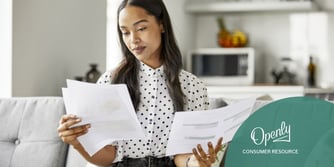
(156, 111)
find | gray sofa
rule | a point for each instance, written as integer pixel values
(28, 135)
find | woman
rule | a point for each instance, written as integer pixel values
(151, 69)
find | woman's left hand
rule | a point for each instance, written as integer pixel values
(206, 159)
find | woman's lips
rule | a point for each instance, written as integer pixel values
(139, 50)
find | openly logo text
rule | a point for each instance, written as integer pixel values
(282, 134)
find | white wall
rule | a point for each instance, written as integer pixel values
(5, 48)
(184, 24)
(327, 66)
(114, 53)
(54, 40)
(325, 4)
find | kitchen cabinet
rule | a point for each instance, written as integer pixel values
(215, 6)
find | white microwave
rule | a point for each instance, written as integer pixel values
(222, 66)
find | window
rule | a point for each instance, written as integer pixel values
(309, 37)
(113, 46)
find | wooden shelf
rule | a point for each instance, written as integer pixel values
(210, 6)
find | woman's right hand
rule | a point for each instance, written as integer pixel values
(70, 134)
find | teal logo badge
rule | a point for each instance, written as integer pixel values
(291, 132)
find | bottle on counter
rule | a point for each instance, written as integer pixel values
(311, 68)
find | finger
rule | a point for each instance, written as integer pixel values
(64, 118)
(201, 151)
(219, 145)
(68, 123)
(74, 131)
(197, 156)
(212, 153)
(82, 133)
(74, 136)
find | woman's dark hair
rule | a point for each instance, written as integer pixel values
(171, 57)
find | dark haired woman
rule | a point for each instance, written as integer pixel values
(151, 68)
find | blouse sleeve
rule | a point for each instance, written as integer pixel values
(196, 97)
(105, 78)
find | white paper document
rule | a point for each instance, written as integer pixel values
(200, 127)
(109, 110)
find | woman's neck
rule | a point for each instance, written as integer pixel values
(153, 64)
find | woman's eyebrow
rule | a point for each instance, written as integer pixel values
(134, 24)
(140, 21)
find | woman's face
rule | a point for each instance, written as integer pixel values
(141, 33)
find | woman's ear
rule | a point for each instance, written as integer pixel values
(162, 28)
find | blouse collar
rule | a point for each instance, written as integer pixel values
(150, 71)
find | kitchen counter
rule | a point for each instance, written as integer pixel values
(274, 91)
(322, 93)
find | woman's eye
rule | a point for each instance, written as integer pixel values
(141, 29)
(125, 33)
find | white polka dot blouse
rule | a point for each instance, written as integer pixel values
(156, 112)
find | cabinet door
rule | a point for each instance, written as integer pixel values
(325, 4)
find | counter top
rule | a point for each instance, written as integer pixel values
(318, 90)
(274, 91)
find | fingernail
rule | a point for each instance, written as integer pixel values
(78, 119)
(88, 126)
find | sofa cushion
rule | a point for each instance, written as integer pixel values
(29, 132)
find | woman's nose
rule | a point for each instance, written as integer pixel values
(135, 38)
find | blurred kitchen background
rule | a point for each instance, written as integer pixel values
(45, 42)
